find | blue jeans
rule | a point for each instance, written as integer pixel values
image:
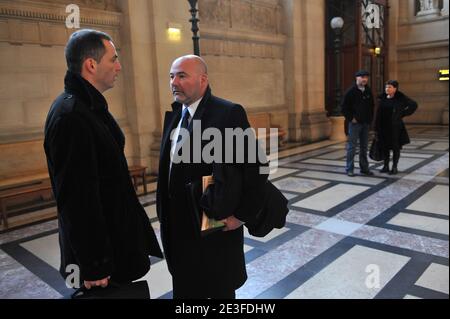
(357, 131)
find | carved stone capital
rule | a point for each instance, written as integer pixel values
(428, 8)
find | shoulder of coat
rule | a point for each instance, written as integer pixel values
(65, 100)
(400, 95)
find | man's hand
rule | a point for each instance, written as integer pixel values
(97, 283)
(232, 223)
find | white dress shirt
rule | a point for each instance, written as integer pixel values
(174, 138)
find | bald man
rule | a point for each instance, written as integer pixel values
(212, 266)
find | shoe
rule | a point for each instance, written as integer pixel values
(385, 169)
(393, 171)
(367, 173)
(350, 173)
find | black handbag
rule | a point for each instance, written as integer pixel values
(376, 152)
(272, 215)
(133, 290)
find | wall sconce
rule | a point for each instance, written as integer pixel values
(443, 75)
(174, 32)
(375, 51)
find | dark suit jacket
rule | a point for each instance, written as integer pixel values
(358, 105)
(217, 259)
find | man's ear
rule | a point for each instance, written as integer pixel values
(204, 78)
(89, 65)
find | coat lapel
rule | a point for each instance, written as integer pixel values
(199, 112)
(170, 121)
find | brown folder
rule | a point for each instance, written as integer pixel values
(209, 224)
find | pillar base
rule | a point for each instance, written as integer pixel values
(445, 116)
(308, 127)
(337, 128)
(155, 153)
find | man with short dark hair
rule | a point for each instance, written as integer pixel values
(358, 107)
(103, 229)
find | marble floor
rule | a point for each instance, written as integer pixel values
(363, 237)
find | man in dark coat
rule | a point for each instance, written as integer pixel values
(357, 108)
(391, 130)
(103, 229)
(212, 266)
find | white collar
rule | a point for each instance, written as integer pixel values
(193, 107)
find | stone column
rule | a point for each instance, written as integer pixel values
(405, 10)
(140, 75)
(305, 70)
(445, 116)
(397, 13)
(445, 7)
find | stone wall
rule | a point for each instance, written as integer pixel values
(32, 67)
(258, 53)
(267, 55)
(243, 43)
(421, 50)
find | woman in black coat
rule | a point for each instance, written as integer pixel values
(391, 130)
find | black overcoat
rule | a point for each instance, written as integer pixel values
(216, 260)
(103, 228)
(391, 130)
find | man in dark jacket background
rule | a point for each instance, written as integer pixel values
(103, 229)
(358, 108)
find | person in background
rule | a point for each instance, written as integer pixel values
(358, 108)
(390, 128)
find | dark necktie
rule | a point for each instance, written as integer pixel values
(184, 122)
(185, 115)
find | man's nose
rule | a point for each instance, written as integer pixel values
(118, 66)
(174, 81)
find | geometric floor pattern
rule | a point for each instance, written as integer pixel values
(362, 237)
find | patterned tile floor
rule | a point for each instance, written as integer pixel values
(362, 237)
